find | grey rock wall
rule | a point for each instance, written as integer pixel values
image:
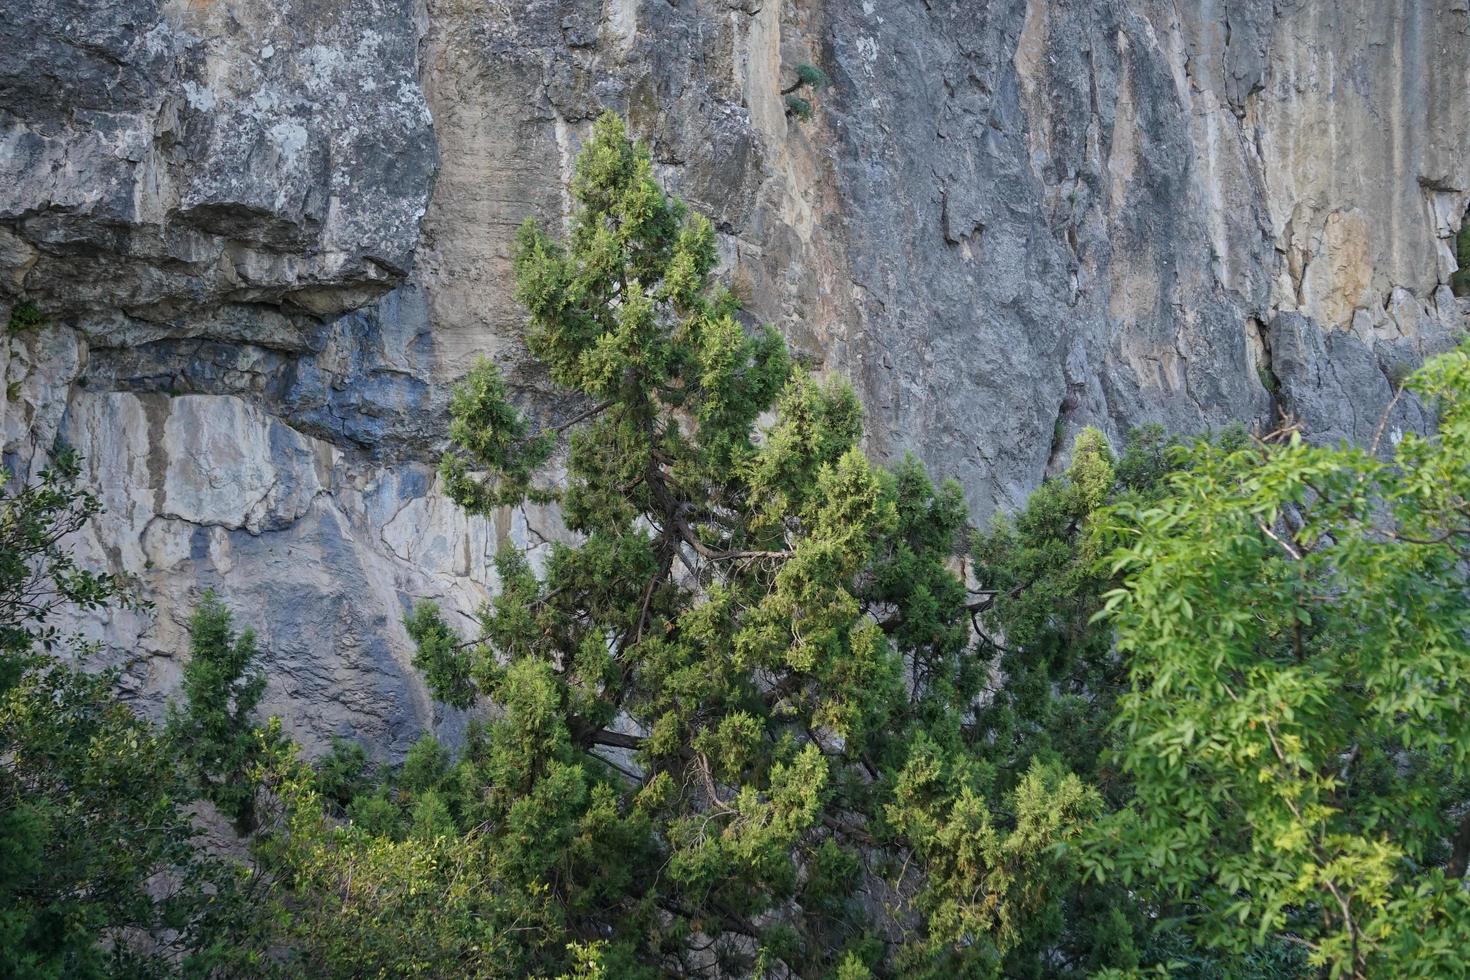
(269, 236)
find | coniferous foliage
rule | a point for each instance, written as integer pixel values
(214, 726)
(769, 709)
(808, 77)
(733, 711)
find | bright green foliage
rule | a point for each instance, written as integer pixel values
(99, 875)
(1059, 677)
(1295, 728)
(351, 903)
(587, 962)
(980, 879)
(713, 708)
(1042, 579)
(213, 726)
(909, 573)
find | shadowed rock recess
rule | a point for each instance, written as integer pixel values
(267, 237)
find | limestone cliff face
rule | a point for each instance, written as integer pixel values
(268, 236)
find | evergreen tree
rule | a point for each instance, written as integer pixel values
(214, 725)
(351, 899)
(1043, 573)
(731, 711)
(1041, 585)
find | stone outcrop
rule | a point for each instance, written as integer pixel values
(268, 237)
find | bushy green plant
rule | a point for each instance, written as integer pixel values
(23, 317)
(214, 725)
(727, 695)
(812, 76)
(100, 874)
(1296, 623)
(798, 107)
(425, 766)
(808, 77)
(343, 774)
(1040, 585)
(1267, 379)
(353, 901)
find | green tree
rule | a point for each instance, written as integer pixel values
(1058, 676)
(39, 577)
(343, 774)
(347, 901)
(99, 873)
(1056, 679)
(1296, 621)
(1041, 585)
(214, 726)
(734, 704)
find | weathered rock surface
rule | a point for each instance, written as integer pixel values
(166, 161)
(269, 236)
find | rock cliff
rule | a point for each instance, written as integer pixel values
(266, 237)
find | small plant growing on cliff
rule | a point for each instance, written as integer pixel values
(23, 317)
(1267, 379)
(1398, 373)
(808, 77)
(811, 76)
(798, 107)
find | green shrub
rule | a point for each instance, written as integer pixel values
(24, 316)
(343, 773)
(798, 107)
(809, 77)
(812, 76)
